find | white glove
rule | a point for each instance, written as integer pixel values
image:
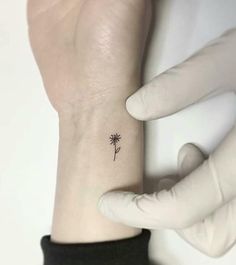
(202, 206)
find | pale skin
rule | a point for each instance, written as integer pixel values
(89, 53)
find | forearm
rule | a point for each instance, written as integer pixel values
(89, 164)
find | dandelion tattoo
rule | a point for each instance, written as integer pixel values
(114, 139)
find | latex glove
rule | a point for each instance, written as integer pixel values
(204, 201)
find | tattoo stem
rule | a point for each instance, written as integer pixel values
(114, 153)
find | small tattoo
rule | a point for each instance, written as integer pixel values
(114, 139)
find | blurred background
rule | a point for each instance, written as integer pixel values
(29, 136)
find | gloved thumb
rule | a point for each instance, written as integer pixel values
(189, 158)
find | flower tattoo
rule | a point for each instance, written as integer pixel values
(114, 139)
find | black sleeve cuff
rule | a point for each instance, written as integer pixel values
(130, 251)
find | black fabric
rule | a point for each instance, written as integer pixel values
(130, 251)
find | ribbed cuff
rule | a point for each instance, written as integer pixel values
(130, 251)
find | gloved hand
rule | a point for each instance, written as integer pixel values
(201, 207)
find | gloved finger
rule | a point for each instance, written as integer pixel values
(214, 235)
(189, 158)
(212, 68)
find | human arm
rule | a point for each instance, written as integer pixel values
(89, 54)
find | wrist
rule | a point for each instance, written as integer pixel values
(107, 107)
(87, 168)
(86, 136)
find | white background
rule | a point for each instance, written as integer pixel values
(28, 127)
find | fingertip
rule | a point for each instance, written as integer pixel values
(135, 107)
(190, 150)
(151, 102)
(112, 204)
(189, 158)
(104, 204)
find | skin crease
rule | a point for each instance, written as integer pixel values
(89, 55)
